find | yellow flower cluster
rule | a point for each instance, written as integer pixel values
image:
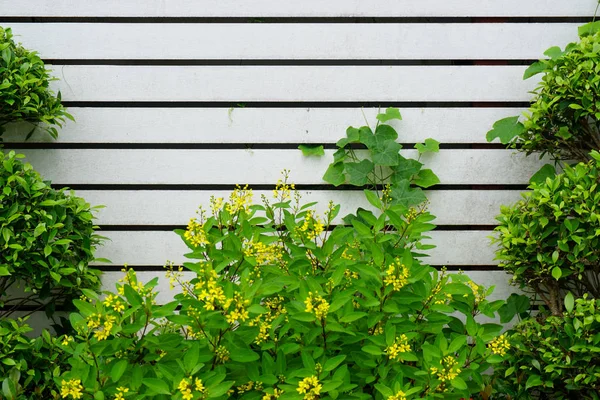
(317, 305)
(175, 277)
(400, 346)
(264, 321)
(500, 345)
(66, 340)
(272, 396)
(195, 233)
(216, 204)
(247, 387)
(283, 189)
(188, 385)
(114, 302)
(208, 290)
(121, 393)
(376, 330)
(396, 275)
(238, 311)
(222, 354)
(71, 388)
(412, 214)
(448, 370)
(264, 254)
(478, 291)
(310, 387)
(239, 200)
(386, 194)
(130, 279)
(398, 396)
(102, 324)
(312, 226)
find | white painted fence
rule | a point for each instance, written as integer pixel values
(176, 100)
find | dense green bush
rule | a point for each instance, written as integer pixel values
(558, 358)
(47, 240)
(550, 240)
(28, 366)
(276, 304)
(564, 117)
(24, 88)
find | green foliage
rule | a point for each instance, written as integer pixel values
(275, 304)
(46, 241)
(308, 150)
(558, 358)
(24, 88)
(550, 240)
(382, 164)
(564, 117)
(28, 366)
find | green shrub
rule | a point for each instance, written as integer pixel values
(275, 303)
(24, 88)
(564, 117)
(47, 240)
(550, 240)
(28, 366)
(558, 358)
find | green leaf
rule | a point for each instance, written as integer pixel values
(353, 316)
(335, 174)
(386, 153)
(220, 389)
(426, 178)
(556, 273)
(386, 132)
(390, 114)
(459, 383)
(157, 385)
(8, 389)
(547, 171)
(402, 193)
(243, 355)
(589, 29)
(553, 52)
(117, 370)
(358, 173)
(4, 271)
(372, 198)
(430, 146)
(534, 69)
(309, 150)
(371, 349)
(505, 129)
(533, 381)
(333, 363)
(569, 302)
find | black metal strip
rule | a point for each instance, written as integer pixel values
(298, 20)
(282, 62)
(294, 104)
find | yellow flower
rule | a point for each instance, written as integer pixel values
(121, 393)
(71, 388)
(66, 340)
(499, 345)
(400, 346)
(398, 396)
(310, 387)
(396, 275)
(118, 306)
(317, 305)
(448, 371)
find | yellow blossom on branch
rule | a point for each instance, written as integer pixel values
(500, 345)
(310, 387)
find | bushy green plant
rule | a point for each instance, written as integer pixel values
(274, 303)
(28, 366)
(564, 117)
(557, 358)
(24, 88)
(550, 240)
(47, 239)
(382, 164)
